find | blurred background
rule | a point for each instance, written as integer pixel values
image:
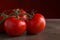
(49, 8)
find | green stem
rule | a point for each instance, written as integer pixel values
(29, 15)
(33, 12)
(17, 13)
(5, 16)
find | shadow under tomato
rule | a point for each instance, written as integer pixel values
(29, 34)
(4, 35)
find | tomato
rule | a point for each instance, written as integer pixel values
(23, 12)
(1, 24)
(14, 27)
(8, 12)
(36, 24)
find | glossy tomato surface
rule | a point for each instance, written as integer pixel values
(36, 24)
(23, 14)
(14, 27)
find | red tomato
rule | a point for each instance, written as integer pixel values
(8, 12)
(14, 27)
(36, 24)
(1, 25)
(23, 12)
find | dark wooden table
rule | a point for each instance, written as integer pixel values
(51, 32)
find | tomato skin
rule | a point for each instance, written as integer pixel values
(14, 27)
(8, 12)
(36, 24)
(24, 17)
(23, 12)
(1, 25)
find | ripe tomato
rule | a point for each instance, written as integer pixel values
(36, 24)
(8, 12)
(23, 12)
(14, 27)
(1, 24)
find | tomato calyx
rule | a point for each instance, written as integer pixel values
(31, 15)
(17, 12)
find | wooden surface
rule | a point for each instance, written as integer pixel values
(51, 32)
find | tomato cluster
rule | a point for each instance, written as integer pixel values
(17, 21)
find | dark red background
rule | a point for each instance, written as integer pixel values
(47, 7)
